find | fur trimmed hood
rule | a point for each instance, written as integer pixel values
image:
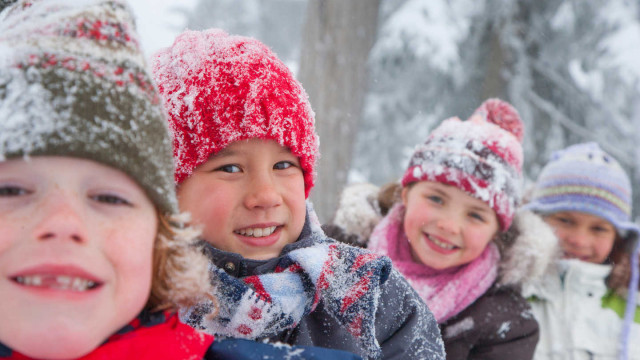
(532, 248)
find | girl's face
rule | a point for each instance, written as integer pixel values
(249, 198)
(75, 254)
(445, 226)
(583, 236)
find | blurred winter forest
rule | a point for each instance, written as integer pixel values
(381, 74)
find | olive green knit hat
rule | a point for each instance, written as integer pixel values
(73, 82)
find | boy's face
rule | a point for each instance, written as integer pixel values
(75, 254)
(249, 198)
(446, 227)
(583, 236)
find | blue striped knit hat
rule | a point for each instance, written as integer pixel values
(586, 179)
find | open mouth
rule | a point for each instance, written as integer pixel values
(256, 232)
(57, 282)
(441, 244)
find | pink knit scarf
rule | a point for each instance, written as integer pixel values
(447, 292)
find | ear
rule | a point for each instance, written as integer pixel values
(405, 195)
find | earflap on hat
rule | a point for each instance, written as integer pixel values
(73, 82)
(632, 294)
(481, 156)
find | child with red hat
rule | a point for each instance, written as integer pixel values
(245, 148)
(448, 229)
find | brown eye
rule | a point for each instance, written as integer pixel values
(12, 190)
(111, 199)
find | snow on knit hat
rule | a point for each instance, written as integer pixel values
(73, 83)
(481, 156)
(219, 89)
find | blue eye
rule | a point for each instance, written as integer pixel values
(281, 165)
(476, 216)
(12, 190)
(229, 168)
(110, 199)
(435, 199)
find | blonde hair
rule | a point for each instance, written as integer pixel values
(180, 268)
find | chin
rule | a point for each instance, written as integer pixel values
(54, 349)
(53, 342)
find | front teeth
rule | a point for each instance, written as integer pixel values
(441, 244)
(257, 232)
(60, 282)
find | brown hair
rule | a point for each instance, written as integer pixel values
(389, 195)
(618, 279)
(180, 269)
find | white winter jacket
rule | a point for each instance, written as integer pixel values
(574, 324)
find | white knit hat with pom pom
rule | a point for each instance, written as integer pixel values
(481, 156)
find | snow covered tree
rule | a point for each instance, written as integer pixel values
(566, 66)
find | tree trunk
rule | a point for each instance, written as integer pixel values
(337, 38)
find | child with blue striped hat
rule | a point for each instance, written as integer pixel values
(586, 304)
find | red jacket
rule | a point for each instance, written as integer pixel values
(158, 336)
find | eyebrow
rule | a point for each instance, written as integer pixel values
(226, 152)
(479, 209)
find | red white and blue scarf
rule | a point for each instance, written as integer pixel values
(345, 279)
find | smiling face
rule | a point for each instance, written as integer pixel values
(583, 236)
(249, 198)
(445, 226)
(75, 254)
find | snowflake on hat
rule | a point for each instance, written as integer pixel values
(481, 156)
(219, 89)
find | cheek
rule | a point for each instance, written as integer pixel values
(413, 222)
(208, 205)
(8, 236)
(296, 202)
(561, 234)
(478, 239)
(129, 249)
(603, 247)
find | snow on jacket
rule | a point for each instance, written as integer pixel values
(499, 324)
(158, 336)
(386, 306)
(579, 316)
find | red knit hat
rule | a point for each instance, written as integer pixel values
(481, 156)
(219, 89)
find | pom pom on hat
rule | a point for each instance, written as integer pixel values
(481, 156)
(219, 89)
(504, 115)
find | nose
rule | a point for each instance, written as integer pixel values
(60, 218)
(448, 224)
(262, 193)
(576, 238)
